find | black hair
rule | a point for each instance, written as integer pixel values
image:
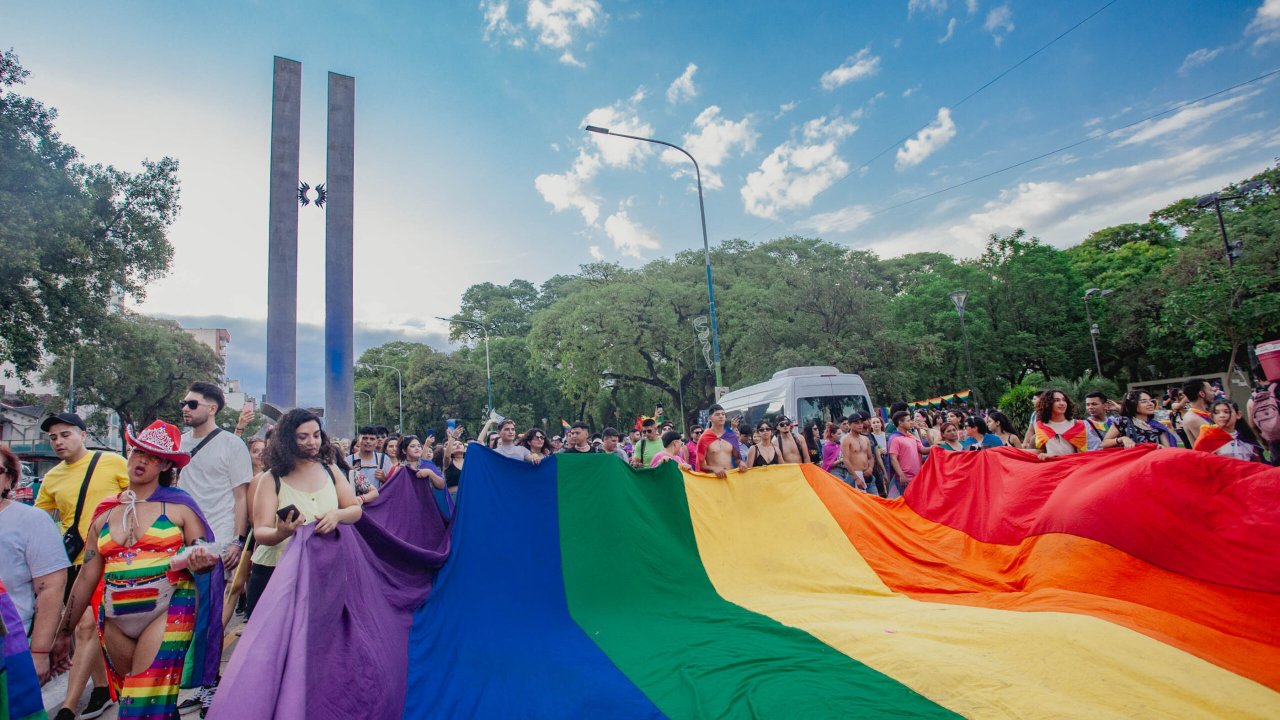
(1096, 394)
(610, 432)
(1003, 421)
(580, 426)
(648, 423)
(669, 437)
(381, 430)
(973, 421)
(896, 408)
(1129, 408)
(715, 409)
(1193, 387)
(1229, 403)
(897, 417)
(1044, 405)
(368, 430)
(404, 443)
(211, 392)
(282, 452)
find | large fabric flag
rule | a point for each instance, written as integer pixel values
(1114, 584)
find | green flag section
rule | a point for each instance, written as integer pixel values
(636, 585)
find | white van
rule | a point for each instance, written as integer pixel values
(803, 394)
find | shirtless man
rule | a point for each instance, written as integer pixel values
(792, 444)
(718, 446)
(855, 454)
(1199, 394)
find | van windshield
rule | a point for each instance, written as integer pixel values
(827, 408)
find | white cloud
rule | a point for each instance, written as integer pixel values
(785, 108)
(911, 91)
(1093, 122)
(855, 67)
(619, 117)
(1187, 120)
(596, 255)
(572, 189)
(928, 141)
(951, 30)
(934, 6)
(714, 141)
(999, 23)
(971, 6)
(1265, 26)
(682, 88)
(1198, 58)
(628, 237)
(497, 23)
(555, 21)
(554, 24)
(797, 171)
(845, 219)
(1064, 212)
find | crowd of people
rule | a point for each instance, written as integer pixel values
(131, 569)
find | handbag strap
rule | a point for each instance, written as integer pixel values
(84, 488)
(204, 442)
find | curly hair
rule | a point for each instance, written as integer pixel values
(1044, 405)
(282, 450)
(13, 465)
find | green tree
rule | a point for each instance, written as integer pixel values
(138, 366)
(77, 238)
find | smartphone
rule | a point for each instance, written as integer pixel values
(451, 423)
(249, 403)
(286, 512)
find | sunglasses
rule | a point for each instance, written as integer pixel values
(539, 437)
(190, 404)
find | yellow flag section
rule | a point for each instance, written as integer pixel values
(770, 545)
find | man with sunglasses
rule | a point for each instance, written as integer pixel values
(217, 477)
(650, 444)
(792, 445)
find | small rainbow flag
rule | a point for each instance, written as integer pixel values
(564, 424)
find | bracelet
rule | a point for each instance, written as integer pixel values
(40, 652)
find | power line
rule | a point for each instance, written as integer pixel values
(1078, 143)
(956, 104)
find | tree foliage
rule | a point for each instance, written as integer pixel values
(77, 238)
(138, 366)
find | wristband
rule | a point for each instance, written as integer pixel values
(40, 652)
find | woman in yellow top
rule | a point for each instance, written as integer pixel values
(300, 486)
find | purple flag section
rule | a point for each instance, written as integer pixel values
(330, 636)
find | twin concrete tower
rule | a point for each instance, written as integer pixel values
(336, 195)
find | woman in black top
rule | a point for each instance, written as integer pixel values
(763, 452)
(454, 451)
(1136, 424)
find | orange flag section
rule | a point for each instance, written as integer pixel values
(1230, 627)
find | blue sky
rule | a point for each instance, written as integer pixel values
(471, 164)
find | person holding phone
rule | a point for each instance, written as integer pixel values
(301, 485)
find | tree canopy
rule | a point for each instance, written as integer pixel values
(77, 238)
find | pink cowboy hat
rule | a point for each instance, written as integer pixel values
(160, 439)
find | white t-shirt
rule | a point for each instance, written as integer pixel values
(368, 470)
(221, 465)
(30, 546)
(513, 451)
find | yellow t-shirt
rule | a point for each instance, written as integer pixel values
(61, 489)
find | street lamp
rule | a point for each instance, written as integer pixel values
(706, 247)
(958, 298)
(488, 374)
(1093, 294)
(1236, 249)
(399, 387)
(361, 392)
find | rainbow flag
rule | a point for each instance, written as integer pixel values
(565, 425)
(1115, 584)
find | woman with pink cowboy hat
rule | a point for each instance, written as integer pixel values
(147, 620)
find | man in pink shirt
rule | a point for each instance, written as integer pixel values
(904, 449)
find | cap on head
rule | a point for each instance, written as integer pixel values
(66, 418)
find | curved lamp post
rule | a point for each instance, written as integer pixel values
(1094, 294)
(958, 298)
(399, 387)
(706, 247)
(488, 374)
(361, 392)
